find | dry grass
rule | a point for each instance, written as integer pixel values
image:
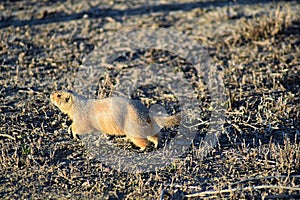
(261, 29)
(257, 156)
(265, 27)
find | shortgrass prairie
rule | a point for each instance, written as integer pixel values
(43, 44)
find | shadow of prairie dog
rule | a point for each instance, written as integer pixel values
(113, 116)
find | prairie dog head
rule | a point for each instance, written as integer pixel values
(63, 100)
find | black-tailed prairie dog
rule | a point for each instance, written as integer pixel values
(113, 116)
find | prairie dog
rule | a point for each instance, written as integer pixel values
(112, 116)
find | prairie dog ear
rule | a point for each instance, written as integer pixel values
(68, 98)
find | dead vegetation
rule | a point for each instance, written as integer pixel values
(264, 27)
(256, 157)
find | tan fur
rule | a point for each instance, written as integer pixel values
(112, 116)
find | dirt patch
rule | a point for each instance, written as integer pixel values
(258, 155)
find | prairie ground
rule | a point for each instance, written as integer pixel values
(44, 43)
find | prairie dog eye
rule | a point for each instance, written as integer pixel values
(58, 95)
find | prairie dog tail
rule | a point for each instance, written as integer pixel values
(167, 121)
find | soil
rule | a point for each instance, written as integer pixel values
(257, 43)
